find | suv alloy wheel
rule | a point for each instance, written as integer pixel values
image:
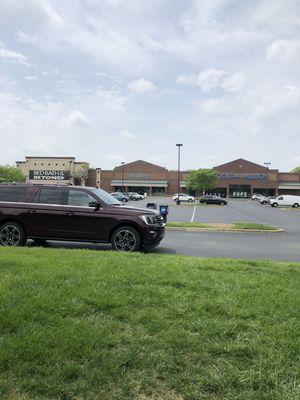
(12, 235)
(126, 238)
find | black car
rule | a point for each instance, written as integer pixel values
(211, 199)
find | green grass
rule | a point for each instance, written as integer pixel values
(252, 225)
(223, 226)
(79, 324)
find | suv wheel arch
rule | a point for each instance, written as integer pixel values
(12, 234)
(126, 238)
(125, 223)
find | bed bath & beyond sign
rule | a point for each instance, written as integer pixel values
(50, 175)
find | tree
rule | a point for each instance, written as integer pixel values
(296, 169)
(201, 180)
(10, 173)
(80, 176)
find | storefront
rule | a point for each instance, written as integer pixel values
(139, 176)
(237, 179)
(53, 170)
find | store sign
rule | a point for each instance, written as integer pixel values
(247, 177)
(138, 176)
(49, 175)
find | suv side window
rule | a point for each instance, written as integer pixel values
(12, 194)
(49, 196)
(79, 198)
(280, 198)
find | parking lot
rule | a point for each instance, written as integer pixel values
(248, 245)
(236, 211)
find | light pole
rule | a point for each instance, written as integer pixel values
(122, 164)
(179, 145)
(267, 164)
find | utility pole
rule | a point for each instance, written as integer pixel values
(267, 164)
(122, 164)
(179, 145)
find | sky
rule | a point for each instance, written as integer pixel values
(109, 81)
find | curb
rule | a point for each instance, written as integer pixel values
(224, 230)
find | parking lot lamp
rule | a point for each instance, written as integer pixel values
(122, 164)
(267, 164)
(178, 178)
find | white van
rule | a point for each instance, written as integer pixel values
(285, 200)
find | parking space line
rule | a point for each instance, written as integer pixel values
(193, 216)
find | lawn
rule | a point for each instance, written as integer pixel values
(250, 226)
(80, 324)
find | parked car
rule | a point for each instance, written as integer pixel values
(211, 199)
(183, 197)
(70, 213)
(266, 200)
(285, 200)
(120, 196)
(257, 196)
(134, 196)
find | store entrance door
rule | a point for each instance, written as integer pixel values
(240, 191)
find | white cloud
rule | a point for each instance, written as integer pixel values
(219, 48)
(14, 57)
(284, 51)
(209, 79)
(187, 79)
(28, 13)
(142, 86)
(234, 83)
(32, 78)
(77, 118)
(214, 78)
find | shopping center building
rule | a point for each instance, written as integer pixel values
(239, 178)
(51, 170)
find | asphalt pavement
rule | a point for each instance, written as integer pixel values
(275, 246)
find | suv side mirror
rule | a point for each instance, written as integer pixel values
(95, 205)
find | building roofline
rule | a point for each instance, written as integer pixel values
(48, 158)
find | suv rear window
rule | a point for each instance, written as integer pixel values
(49, 196)
(12, 194)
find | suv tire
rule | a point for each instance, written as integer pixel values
(275, 205)
(126, 238)
(296, 205)
(12, 235)
(190, 200)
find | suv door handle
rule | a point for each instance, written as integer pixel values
(32, 211)
(69, 213)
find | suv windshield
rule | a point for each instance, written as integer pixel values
(105, 197)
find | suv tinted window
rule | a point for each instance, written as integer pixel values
(79, 198)
(49, 196)
(12, 194)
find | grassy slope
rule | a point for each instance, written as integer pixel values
(226, 226)
(78, 324)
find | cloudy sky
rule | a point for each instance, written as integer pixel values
(119, 80)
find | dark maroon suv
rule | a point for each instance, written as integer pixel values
(71, 213)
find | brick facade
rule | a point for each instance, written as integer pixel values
(238, 178)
